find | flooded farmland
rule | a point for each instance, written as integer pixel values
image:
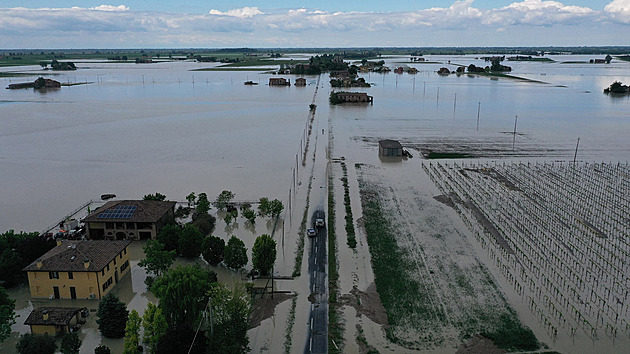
(140, 129)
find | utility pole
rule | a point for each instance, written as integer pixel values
(514, 139)
(576, 150)
(478, 111)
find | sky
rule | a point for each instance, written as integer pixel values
(77, 24)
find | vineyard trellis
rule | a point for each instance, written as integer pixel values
(558, 232)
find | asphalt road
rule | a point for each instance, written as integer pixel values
(317, 341)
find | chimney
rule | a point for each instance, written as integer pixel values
(86, 263)
(40, 263)
(45, 314)
(59, 241)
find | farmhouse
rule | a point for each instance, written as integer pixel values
(78, 269)
(55, 320)
(300, 81)
(279, 81)
(354, 97)
(39, 83)
(129, 219)
(389, 148)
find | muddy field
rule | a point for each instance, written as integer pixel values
(559, 234)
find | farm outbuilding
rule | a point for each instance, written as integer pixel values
(390, 148)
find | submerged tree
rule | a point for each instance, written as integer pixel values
(213, 249)
(132, 333)
(264, 254)
(156, 260)
(7, 314)
(111, 316)
(235, 253)
(155, 326)
(183, 293)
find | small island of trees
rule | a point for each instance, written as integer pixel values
(617, 88)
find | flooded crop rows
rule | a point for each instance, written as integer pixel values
(558, 233)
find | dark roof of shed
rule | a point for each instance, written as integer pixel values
(57, 316)
(69, 256)
(390, 144)
(146, 211)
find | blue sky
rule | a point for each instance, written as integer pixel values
(283, 23)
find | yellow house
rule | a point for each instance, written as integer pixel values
(55, 320)
(79, 269)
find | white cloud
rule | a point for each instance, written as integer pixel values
(619, 10)
(110, 8)
(244, 12)
(119, 24)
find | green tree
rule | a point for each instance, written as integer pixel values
(156, 260)
(191, 199)
(169, 237)
(16, 252)
(213, 249)
(264, 253)
(264, 208)
(235, 253)
(40, 83)
(224, 199)
(181, 336)
(203, 204)
(155, 326)
(275, 208)
(7, 314)
(204, 222)
(111, 316)
(70, 343)
(230, 314)
(132, 333)
(31, 343)
(190, 242)
(250, 215)
(156, 196)
(183, 293)
(102, 349)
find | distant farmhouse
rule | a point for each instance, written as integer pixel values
(55, 320)
(354, 97)
(390, 148)
(78, 269)
(279, 81)
(129, 219)
(300, 81)
(39, 83)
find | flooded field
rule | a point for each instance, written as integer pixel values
(140, 129)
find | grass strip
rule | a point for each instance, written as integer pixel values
(335, 326)
(512, 336)
(290, 321)
(352, 239)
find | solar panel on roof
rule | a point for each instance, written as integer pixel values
(118, 212)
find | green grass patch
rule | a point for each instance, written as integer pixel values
(446, 155)
(406, 301)
(226, 68)
(335, 325)
(290, 321)
(623, 57)
(297, 271)
(511, 335)
(350, 232)
(508, 76)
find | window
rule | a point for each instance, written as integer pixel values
(70, 275)
(107, 283)
(103, 272)
(114, 260)
(38, 289)
(124, 266)
(53, 275)
(108, 267)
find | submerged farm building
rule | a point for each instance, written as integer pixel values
(389, 148)
(55, 320)
(78, 269)
(129, 219)
(279, 81)
(300, 81)
(354, 97)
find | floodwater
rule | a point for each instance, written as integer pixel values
(140, 129)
